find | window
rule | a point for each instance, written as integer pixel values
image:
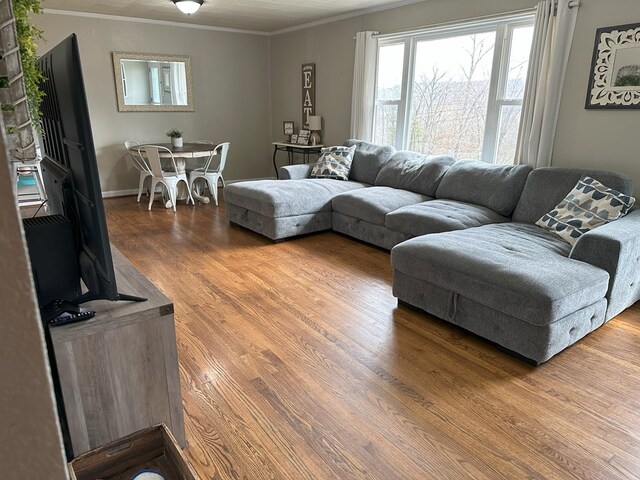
(454, 90)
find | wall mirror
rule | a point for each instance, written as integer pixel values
(148, 82)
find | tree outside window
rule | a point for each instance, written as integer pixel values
(457, 92)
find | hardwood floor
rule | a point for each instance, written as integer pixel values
(297, 363)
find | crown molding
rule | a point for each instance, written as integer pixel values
(356, 13)
(344, 16)
(103, 16)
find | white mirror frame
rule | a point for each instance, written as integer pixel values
(151, 57)
(602, 93)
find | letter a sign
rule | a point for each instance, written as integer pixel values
(308, 92)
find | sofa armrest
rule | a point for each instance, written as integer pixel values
(295, 172)
(615, 247)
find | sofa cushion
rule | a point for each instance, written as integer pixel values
(278, 228)
(278, 198)
(535, 342)
(515, 268)
(414, 172)
(497, 187)
(547, 186)
(372, 204)
(371, 233)
(589, 205)
(368, 159)
(335, 162)
(440, 216)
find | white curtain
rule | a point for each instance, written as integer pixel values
(178, 83)
(553, 33)
(364, 81)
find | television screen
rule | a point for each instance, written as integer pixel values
(67, 140)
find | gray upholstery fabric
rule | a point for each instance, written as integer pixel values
(546, 187)
(615, 247)
(367, 160)
(295, 172)
(373, 203)
(536, 342)
(517, 269)
(414, 172)
(367, 232)
(497, 187)
(276, 198)
(281, 227)
(438, 216)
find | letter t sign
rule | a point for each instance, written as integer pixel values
(308, 92)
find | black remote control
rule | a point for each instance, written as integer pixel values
(67, 318)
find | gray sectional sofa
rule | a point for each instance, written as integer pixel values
(281, 210)
(463, 240)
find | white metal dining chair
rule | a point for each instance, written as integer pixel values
(160, 177)
(207, 142)
(139, 163)
(208, 173)
(199, 162)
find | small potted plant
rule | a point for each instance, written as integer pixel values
(176, 137)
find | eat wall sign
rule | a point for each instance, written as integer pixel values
(308, 92)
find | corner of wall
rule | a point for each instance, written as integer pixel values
(30, 443)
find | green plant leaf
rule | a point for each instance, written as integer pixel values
(174, 133)
(28, 36)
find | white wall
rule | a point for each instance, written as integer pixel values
(602, 139)
(586, 138)
(231, 92)
(30, 443)
(331, 47)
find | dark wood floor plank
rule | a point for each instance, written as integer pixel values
(296, 362)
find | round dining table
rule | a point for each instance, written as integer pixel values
(181, 155)
(187, 150)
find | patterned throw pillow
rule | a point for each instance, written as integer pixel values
(335, 162)
(589, 205)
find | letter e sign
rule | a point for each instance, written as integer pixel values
(308, 92)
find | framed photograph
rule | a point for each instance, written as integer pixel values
(303, 137)
(294, 138)
(287, 127)
(615, 68)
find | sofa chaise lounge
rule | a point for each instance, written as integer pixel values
(463, 240)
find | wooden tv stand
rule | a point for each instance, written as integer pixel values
(119, 371)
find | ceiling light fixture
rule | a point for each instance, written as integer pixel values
(188, 6)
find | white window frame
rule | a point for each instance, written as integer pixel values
(503, 26)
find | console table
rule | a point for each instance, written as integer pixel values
(291, 148)
(119, 371)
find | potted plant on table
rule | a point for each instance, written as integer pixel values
(176, 137)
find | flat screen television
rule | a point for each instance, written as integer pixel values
(70, 172)
(73, 242)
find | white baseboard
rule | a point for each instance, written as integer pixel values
(120, 193)
(134, 191)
